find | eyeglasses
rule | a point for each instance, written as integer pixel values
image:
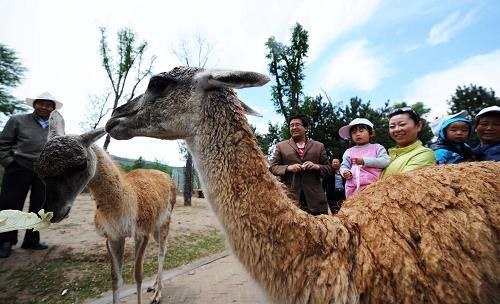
(293, 125)
(403, 110)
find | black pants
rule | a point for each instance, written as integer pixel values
(16, 183)
(335, 201)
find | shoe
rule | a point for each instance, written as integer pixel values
(5, 250)
(37, 246)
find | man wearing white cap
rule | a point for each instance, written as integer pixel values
(488, 131)
(21, 142)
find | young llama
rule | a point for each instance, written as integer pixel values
(429, 236)
(137, 204)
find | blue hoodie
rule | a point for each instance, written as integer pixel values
(448, 152)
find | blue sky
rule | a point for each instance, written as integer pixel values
(373, 49)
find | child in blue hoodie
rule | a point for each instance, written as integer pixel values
(452, 132)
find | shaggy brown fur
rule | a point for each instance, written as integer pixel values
(137, 204)
(428, 236)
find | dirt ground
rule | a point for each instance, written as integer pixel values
(76, 234)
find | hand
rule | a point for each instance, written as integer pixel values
(295, 168)
(309, 165)
(358, 161)
(347, 174)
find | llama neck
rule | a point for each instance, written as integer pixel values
(108, 187)
(274, 239)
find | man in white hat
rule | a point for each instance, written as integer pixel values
(488, 131)
(21, 142)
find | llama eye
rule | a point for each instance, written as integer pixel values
(80, 167)
(157, 84)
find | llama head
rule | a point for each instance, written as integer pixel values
(66, 165)
(174, 101)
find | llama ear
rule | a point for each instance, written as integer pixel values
(235, 80)
(56, 124)
(92, 136)
(232, 79)
(250, 111)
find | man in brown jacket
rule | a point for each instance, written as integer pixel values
(301, 163)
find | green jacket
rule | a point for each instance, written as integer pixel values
(412, 157)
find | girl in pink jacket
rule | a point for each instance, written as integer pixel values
(363, 163)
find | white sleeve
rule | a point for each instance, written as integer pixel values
(381, 161)
(346, 163)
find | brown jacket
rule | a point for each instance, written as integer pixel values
(309, 181)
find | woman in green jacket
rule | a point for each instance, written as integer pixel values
(409, 153)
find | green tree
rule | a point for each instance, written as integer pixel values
(472, 98)
(11, 73)
(286, 66)
(130, 55)
(268, 140)
(138, 163)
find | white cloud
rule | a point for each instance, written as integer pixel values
(326, 20)
(411, 47)
(436, 88)
(449, 27)
(355, 67)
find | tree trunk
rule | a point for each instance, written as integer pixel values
(188, 180)
(106, 142)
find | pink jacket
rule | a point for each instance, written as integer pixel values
(362, 176)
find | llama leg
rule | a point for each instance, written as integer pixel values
(156, 236)
(115, 252)
(141, 241)
(161, 236)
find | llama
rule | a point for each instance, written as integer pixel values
(428, 236)
(137, 204)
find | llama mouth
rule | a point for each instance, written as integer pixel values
(113, 129)
(57, 219)
(111, 124)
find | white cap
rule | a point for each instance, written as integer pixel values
(487, 110)
(345, 131)
(44, 96)
(438, 122)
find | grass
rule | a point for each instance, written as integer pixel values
(89, 276)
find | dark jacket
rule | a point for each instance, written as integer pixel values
(487, 152)
(329, 187)
(309, 181)
(22, 140)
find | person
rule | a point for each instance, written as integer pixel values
(488, 131)
(409, 154)
(362, 164)
(301, 163)
(21, 142)
(452, 132)
(333, 186)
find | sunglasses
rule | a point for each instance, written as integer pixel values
(403, 110)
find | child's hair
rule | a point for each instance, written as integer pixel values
(361, 126)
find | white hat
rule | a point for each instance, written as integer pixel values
(345, 131)
(487, 110)
(44, 96)
(438, 122)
